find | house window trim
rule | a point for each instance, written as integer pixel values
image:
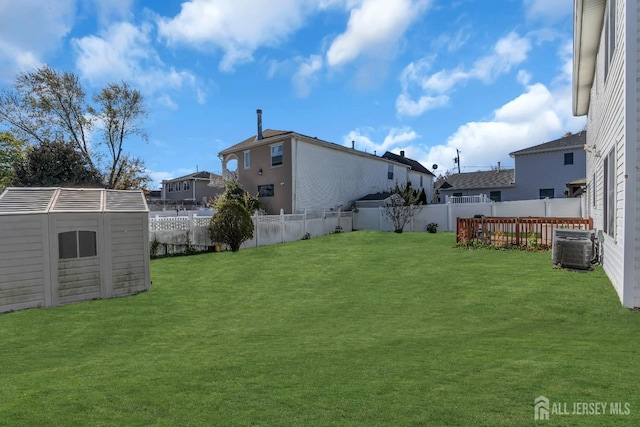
(553, 196)
(390, 172)
(568, 159)
(270, 193)
(609, 194)
(609, 36)
(272, 146)
(247, 159)
(78, 245)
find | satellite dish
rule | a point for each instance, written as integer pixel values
(434, 167)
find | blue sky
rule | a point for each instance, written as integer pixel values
(487, 77)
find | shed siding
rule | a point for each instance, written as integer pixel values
(22, 261)
(128, 254)
(606, 131)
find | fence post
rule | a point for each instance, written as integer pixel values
(546, 207)
(449, 214)
(281, 225)
(304, 222)
(380, 218)
(255, 224)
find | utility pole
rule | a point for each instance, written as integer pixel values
(456, 160)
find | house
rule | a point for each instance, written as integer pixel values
(63, 245)
(605, 88)
(192, 189)
(544, 170)
(419, 176)
(294, 172)
(497, 184)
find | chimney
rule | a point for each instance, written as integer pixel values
(353, 144)
(259, 136)
(401, 153)
(498, 166)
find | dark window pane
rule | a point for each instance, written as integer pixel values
(87, 240)
(67, 245)
(568, 158)
(265, 190)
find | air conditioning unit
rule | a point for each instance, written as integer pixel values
(573, 248)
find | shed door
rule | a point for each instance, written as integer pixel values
(78, 266)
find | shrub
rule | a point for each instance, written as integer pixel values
(432, 227)
(231, 224)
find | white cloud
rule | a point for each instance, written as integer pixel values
(394, 139)
(30, 30)
(508, 52)
(304, 78)
(374, 28)
(548, 10)
(124, 52)
(238, 27)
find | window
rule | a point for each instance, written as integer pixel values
(389, 171)
(593, 190)
(247, 159)
(609, 195)
(546, 192)
(186, 185)
(496, 196)
(265, 190)
(610, 35)
(421, 182)
(170, 187)
(276, 155)
(457, 194)
(179, 186)
(568, 158)
(77, 244)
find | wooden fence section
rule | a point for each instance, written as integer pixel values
(535, 232)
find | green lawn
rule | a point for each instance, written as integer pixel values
(360, 328)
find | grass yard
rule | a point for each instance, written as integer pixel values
(360, 328)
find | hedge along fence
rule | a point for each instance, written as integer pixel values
(529, 232)
(184, 234)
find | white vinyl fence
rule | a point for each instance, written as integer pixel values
(445, 214)
(185, 233)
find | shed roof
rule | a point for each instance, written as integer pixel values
(55, 199)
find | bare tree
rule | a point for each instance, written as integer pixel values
(121, 111)
(46, 106)
(401, 206)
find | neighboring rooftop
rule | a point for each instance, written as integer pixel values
(253, 140)
(576, 140)
(483, 179)
(413, 164)
(204, 175)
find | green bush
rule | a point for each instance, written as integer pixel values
(231, 224)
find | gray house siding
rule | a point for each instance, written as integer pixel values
(545, 171)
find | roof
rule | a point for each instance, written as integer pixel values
(413, 164)
(588, 19)
(251, 141)
(270, 136)
(196, 175)
(374, 197)
(576, 140)
(483, 179)
(54, 199)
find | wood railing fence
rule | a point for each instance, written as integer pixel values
(529, 232)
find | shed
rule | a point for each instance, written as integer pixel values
(62, 245)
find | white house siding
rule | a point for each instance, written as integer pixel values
(328, 178)
(606, 131)
(427, 183)
(22, 259)
(129, 248)
(634, 145)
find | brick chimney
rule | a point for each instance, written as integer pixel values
(259, 135)
(401, 153)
